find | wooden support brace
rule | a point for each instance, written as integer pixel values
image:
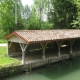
(43, 47)
(59, 43)
(43, 44)
(71, 44)
(10, 44)
(72, 41)
(23, 48)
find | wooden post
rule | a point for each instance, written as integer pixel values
(71, 44)
(59, 43)
(8, 46)
(43, 56)
(43, 47)
(23, 56)
(23, 48)
(59, 52)
(70, 48)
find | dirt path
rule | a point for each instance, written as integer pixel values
(3, 44)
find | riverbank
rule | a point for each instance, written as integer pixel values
(6, 62)
(18, 68)
(66, 70)
(10, 66)
(10, 70)
(7, 71)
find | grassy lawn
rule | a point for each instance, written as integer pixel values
(5, 60)
(2, 41)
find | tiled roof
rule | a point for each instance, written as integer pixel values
(31, 36)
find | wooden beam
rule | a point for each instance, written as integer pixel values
(43, 45)
(59, 43)
(23, 48)
(71, 44)
(10, 44)
(7, 48)
(72, 41)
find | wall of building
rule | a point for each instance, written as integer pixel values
(14, 49)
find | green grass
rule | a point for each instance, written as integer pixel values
(3, 41)
(3, 51)
(6, 60)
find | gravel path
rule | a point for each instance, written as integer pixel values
(3, 44)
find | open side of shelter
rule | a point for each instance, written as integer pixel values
(43, 44)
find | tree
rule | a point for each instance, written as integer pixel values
(62, 13)
(76, 22)
(36, 20)
(33, 21)
(7, 13)
(26, 13)
(41, 9)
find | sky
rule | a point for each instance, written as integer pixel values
(29, 2)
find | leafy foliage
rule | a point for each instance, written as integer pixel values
(44, 14)
(76, 22)
(40, 9)
(63, 13)
(7, 13)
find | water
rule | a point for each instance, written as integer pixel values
(68, 70)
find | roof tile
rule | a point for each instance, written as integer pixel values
(45, 35)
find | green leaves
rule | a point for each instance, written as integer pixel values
(63, 13)
(60, 14)
(76, 22)
(7, 16)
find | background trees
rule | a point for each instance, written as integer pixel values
(7, 16)
(76, 22)
(44, 14)
(63, 13)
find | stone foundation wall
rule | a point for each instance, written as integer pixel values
(7, 71)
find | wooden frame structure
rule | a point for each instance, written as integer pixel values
(22, 39)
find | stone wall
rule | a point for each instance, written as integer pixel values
(7, 71)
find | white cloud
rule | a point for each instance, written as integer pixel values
(29, 2)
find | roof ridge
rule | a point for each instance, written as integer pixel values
(47, 30)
